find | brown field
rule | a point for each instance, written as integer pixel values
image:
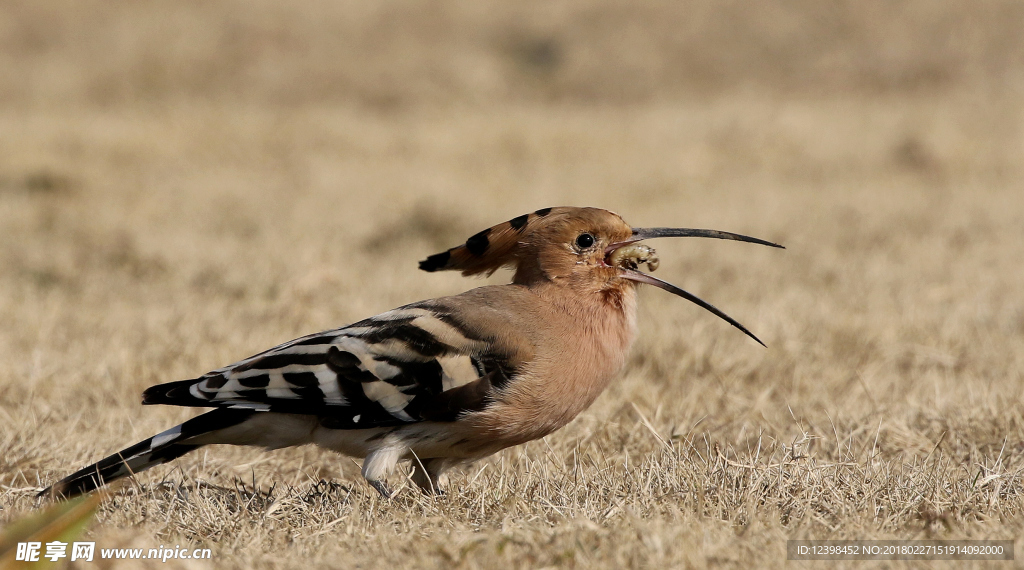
(185, 184)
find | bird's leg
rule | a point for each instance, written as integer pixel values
(381, 487)
(379, 463)
(428, 475)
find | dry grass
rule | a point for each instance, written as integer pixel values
(181, 189)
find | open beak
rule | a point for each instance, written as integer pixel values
(626, 258)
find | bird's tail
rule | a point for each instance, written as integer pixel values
(156, 450)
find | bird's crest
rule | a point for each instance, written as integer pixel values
(489, 250)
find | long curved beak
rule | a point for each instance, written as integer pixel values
(648, 233)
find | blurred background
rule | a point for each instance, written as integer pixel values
(185, 183)
(395, 56)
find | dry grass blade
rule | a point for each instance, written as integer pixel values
(63, 522)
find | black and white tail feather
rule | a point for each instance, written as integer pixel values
(413, 364)
(157, 450)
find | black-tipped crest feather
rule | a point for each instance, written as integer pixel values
(487, 251)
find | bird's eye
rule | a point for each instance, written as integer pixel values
(584, 241)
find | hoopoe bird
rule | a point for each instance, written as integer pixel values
(442, 382)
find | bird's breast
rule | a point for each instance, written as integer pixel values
(580, 352)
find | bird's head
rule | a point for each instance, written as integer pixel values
(587, 249)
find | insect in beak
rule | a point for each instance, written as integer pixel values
(627, 256)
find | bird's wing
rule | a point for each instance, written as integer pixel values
(411, 364)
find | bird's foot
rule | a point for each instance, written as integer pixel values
(382, 488)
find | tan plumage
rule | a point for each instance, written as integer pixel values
(440, 382)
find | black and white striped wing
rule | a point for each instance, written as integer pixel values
(411, 364)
